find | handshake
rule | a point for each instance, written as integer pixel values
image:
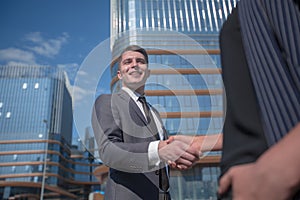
(182, 151)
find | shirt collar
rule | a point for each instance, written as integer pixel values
(134, 95)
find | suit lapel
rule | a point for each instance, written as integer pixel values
(132, 106)
(136, 113)
(165, 135)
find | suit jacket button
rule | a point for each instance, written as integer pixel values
(156, 172)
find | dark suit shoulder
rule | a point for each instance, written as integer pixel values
(102, 99)
(103, 96)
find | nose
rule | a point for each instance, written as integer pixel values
(134, 63)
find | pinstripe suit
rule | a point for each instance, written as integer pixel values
(271, 37)
(260, 58)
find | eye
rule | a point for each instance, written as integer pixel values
(126, 61)
(141, 60)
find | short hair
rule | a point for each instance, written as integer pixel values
(135, 48)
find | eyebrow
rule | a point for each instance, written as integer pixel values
(138, 59)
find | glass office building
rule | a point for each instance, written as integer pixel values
(182, 40)
(36, 157)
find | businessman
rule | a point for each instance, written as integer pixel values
(131, 137)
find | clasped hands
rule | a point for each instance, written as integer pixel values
(180, 151)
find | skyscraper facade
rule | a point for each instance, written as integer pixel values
(182, 40)
(36, 158)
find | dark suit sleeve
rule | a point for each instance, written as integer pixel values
(114, 152)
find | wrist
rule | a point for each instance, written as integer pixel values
(162, 144)
(210, 142)
(153, 154)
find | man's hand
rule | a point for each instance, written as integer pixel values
(275, 174)
(196, 145)
(249, 181)
(201, 143)
(172, 151)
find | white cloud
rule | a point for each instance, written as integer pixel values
(82, 73)
(17, 55)
(46, 47)
(35, 45)
(20, 64)
(79, 94)
(34, 37)
(71, 69)
(69, 66)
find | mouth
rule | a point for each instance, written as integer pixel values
(135, 72)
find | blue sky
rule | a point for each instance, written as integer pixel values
(52, 32)
(55, 33)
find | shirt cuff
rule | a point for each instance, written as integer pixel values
(153, 156)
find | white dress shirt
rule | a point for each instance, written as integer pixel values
(153, 155)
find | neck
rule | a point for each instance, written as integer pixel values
(139, 90)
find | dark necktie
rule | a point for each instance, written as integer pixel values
(163, 177)
(149, 117)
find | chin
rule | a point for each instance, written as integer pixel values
(135, 85)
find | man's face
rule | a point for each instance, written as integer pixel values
(133, 70)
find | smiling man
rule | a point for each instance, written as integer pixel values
(133, 70)
(131, 136)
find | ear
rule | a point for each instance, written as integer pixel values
(148, 72)
(119, 74)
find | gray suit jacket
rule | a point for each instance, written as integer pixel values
(123, 138)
